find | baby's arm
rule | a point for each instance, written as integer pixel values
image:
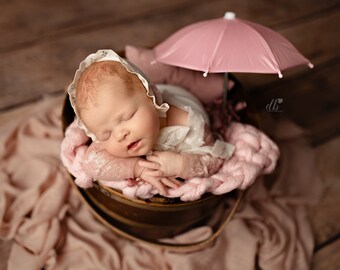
(184, 165)
(101, 165)
(199, 165)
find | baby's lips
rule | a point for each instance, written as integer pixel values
(133, 144)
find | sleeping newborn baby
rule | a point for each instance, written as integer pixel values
(140, 131)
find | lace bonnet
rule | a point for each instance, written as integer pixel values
(109, 55)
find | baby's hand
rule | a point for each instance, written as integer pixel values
(154, 177)
(170, 163)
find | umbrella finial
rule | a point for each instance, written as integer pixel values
(229, 15)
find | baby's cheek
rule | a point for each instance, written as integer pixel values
(153, 125)
(115, 149)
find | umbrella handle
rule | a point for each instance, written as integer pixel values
(225, 94)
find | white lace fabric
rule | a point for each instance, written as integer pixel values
(190, 138)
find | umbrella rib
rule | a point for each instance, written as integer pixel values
(267, 48)
(215, 49)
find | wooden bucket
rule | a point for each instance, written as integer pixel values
(149, 220)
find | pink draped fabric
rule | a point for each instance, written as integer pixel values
(50, 226)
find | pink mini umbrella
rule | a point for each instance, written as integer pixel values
(227, 45)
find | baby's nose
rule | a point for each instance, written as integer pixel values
(123, 133)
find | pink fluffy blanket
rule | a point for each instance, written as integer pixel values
(255, 154)
(49, 226)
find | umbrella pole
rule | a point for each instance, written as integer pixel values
(225, 94)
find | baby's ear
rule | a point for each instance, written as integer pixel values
(207, 89)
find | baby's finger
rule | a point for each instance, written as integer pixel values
(152, 158)
(178, 182)
(156, 153)
(171, 182)
(154, 173)
(149, 165)
(160, 186)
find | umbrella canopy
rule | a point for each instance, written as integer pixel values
(229, 44)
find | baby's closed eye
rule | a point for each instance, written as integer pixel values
(105, 135)
(129, 116)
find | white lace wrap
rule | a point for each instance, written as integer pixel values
(188, 138)
(109, 55)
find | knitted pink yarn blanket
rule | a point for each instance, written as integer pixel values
(255, 154)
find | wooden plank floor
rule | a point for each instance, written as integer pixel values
(42, 43)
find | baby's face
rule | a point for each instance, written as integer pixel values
(125, 123)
